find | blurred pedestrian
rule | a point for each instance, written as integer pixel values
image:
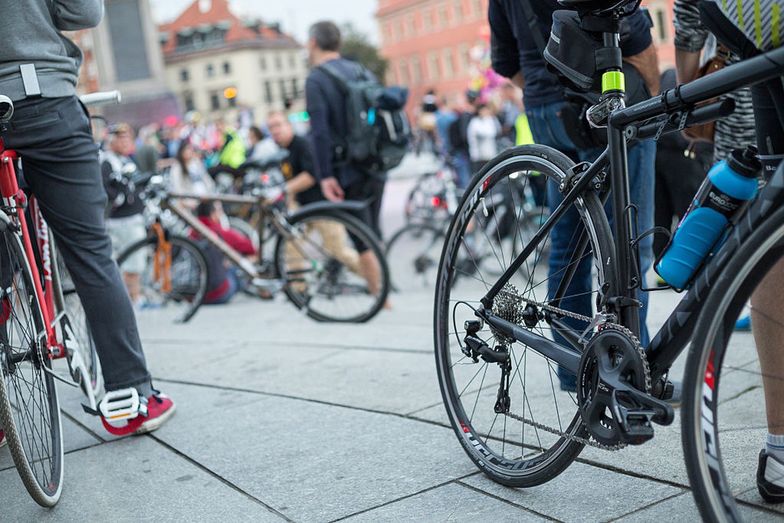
(482, 135)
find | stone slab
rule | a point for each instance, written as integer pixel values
(582, 493)
(683, 508)
(134, 479)
(453, 503)
(312, 462)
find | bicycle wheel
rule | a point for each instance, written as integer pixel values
(427, 201)
(77, 319)
(174, 285)
(732, 377)
(412, 254)
(325, 273)
(29, 407)
(539, 432)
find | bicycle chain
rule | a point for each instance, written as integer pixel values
(574, 315)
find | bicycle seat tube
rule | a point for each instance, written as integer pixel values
(613, 88)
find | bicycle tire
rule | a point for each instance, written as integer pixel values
(411, 262)
(194, 274)
(39, 463)
(518, 470)
(303, 222)
(703, 425)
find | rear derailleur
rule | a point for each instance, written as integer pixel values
(474, 347)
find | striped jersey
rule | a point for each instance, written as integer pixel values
(760, 20)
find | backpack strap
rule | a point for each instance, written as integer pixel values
(332, 71)
(533, 25)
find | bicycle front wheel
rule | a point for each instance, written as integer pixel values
(333, 265)
(166, 277)
(29, 407)
(524, 429)
(734, 384)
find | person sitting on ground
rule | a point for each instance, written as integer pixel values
(222, 279)
(125, 219)
(189, 175)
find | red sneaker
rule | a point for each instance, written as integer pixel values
(2, 438)
(152, 413)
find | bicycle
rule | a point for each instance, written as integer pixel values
(312, 262)
(515, 423)
(42, 321)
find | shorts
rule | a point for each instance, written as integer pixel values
(369, 190)
(124, 232)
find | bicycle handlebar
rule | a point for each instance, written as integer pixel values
(101, 98)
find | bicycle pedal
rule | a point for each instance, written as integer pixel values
(635, 424)
(271, 286)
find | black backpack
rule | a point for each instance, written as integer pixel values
(378, 128)
(458, 132)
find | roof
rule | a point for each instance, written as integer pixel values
(205, 15)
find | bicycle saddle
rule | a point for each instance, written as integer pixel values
(593, 6)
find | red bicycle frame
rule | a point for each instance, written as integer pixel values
(16, 200)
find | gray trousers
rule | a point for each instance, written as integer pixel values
(60, 166)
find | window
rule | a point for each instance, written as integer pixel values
(410, 25)
(233, 102)
(458, 10)
(268, 97)
(184, 75)
(403, 76)
(282, 87)
(464, 60)
(434, 71)
(443, 18)
(416, 71)
(479, 11)
(187, 99)
(226, 68)
(278, 62)
(214, 101)
(210, 71)
(427, 20)
(661, 25)
(399, 34)
(292, 60)
(449, 64)
(263, 63)
(295, 87)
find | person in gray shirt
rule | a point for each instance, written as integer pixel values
(50, 130)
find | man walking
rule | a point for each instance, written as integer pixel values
(326, 104)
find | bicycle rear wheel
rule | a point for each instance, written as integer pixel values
(533, 431)
(29, 407)
(334, 267)
(412, 254)
(734, 381)
(174, 285)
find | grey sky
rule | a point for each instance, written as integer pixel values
(295, 15)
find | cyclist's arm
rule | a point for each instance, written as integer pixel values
(301, 182)
(320, 134)
(647, 63)
(72, 15)
(690, 37)
(505, 53)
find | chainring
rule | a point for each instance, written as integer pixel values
(613, 353)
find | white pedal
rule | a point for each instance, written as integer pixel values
(122, 406)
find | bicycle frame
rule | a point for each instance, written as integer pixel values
(619, 298)
(16, 200)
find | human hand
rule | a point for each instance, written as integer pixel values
(332, 190)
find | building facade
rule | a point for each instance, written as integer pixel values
(443, 44)
(218, 64)
(431, 44)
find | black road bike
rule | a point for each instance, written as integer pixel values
(499, 341)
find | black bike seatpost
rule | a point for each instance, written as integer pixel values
(613, 85)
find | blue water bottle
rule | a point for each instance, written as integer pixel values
(731, 184)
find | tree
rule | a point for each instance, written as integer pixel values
(356, 46)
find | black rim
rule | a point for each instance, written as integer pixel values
(413, 253)
(28, 387)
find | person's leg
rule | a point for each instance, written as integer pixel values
(547, 129)
(767, 319)
(60, 162)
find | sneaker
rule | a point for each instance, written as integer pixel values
(159, 408)
(770, 478)
(743, 324)
(2, 439)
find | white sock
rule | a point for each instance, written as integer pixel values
(774, 445)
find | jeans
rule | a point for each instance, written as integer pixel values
(462, 164)
(60, 164)
(548, 129)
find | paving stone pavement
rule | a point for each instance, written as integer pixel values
(284, 419)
